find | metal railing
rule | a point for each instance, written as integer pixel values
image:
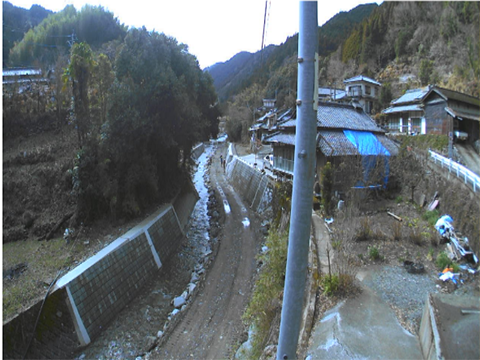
(461, 171)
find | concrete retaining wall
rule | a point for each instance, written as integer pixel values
(255, 188)
(86, 299)
(198, 150)
(55, 336)
(428, 334)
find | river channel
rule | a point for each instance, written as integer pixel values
(137, 327)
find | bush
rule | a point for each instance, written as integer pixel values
(330, 284)
(265, 302)
(443, 261)
(233, 128)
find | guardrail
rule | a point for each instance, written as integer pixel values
(461, 171)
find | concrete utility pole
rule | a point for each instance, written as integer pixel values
(303, 179)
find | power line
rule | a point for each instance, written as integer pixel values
(268, 5)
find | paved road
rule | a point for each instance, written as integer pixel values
(360, 327)
(213, 323)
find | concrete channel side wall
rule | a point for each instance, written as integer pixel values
(255, 188)
(198, 150)
(428, 334)
(55, 336)
(86, 299)
(111, 279)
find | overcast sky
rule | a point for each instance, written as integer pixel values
(214, 30)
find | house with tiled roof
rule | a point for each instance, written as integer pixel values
(435, 110)
(360, 90)
(344, 132)
(363, 90)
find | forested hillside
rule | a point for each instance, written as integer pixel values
(44, 44)
(16, 22)
(230, 77)
(110, 136)
(426, 42)
(402, 44)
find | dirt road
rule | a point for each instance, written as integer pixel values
(213, 323)
(470, 157)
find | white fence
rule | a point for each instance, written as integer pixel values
(461, 171)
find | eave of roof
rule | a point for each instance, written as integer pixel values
(455, 95)
(462, 115)
(404, 108)
(281, 138)
(362, 78)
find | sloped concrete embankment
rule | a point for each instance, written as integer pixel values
(84, 301)
(198, 150)
(255, 188)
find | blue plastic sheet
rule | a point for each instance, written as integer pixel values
(369, 147)
(366, 143)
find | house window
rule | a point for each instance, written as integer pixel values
(393, 124)
(368, 90)
(355, 90)
(417, 125)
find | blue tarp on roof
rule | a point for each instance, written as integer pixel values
(366, 143)
(369, 147)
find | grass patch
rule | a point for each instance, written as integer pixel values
(431, 217)
(397, 231)
(416, 236)
(373, 253)
(364, 232)
(443, 261)
(44, 259)
(265, 301)
(330, 284)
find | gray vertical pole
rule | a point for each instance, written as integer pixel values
(303, 179)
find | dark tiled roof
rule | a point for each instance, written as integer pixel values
(280, 138)
(335, 143)
(332, 142)
(388, 144)
(288, 124)
(339, 116)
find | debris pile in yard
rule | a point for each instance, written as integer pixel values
(458, 250)
(458, 247)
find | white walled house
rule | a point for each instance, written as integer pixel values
(363, 90)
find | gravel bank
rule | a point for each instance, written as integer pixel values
(406, 293)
